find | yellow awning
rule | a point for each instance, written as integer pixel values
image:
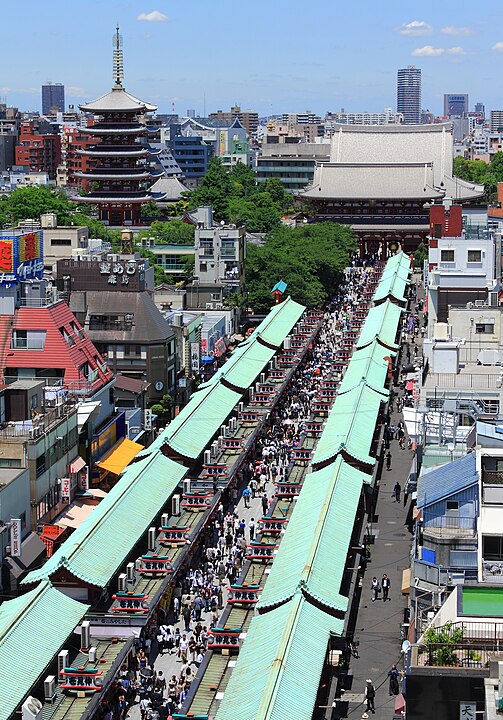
(120, 456)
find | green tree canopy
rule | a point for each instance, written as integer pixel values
(309, 258)
(482, 173)
(169, 232)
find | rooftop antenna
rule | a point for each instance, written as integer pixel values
(118, 64)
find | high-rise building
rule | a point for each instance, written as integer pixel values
(53, 96)
(455, 105)
(480, 109)
(408, 94)
(496, 120)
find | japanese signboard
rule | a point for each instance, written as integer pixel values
(15, 537)
(65, 490)
(467, 710)
(194, 357)
(84, 479)
(21, 257)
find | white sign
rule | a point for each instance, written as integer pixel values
(15, 537)
(147, 419)
(84, 479)
(194, 356)
(65, 490)
(467, 710)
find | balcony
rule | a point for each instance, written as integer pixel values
(447, 526)
(463, 645)
(36, 428)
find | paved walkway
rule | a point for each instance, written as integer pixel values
(170, 664)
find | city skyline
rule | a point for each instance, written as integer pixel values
(274, 60)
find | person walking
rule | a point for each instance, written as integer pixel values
(376, 588)
(370, 694)
(394, 685)
(388, 460)
(265, 504)
(251, 527)
(397, 489)
(385, 584)
(246, 496)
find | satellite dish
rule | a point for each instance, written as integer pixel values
(406, 646)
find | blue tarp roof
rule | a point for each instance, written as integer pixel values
(446, 480)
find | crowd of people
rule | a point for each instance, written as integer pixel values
(199, 595)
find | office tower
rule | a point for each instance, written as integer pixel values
(496, 121)
(408, 94)
(455, 105)
(53, 96)
(480, 109)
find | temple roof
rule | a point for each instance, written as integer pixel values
(388, 162)
(117, 99)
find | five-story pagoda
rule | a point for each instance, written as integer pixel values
(119, 182)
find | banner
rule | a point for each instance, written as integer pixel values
(15, 537)
(194, 357)
(65, 490)
(83, 479)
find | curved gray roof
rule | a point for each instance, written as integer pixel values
(117, 99)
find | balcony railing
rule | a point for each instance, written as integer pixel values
(492, 477)
(36, 428)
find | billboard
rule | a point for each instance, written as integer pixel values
(21, 257)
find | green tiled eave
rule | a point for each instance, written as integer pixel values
(382, 322)
(367, 364)
(351, 425)
(191, 431)
(33, 627)
(116, 523)
(278, 670)
(328, 498)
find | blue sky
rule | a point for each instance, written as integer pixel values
(275, 56)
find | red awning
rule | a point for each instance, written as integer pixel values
(77, 465)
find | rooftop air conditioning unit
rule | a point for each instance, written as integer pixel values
(92, 655)
(262, 378)
(480, 303)
(233, 424)
(207, 457)
(286, 343)
(175, 505)
(62, 662)
(31, 708)
(50, 688)
(152, 534)
(186, 486)
(122, 582)
(85, 636)
(219, 306)
(214, 449)
(493, 299)
(241, 406)
(224, 431)
(209, 306)
(165, 519)
(130, 572)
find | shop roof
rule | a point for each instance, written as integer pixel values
(116, 523)
(33, 627)
(278, 670)
(317, 536)
(382, 324)
(444, 481)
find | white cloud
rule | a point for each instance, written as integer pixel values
(154, 16)
(498, 47)
(416, 27)
(427, 51)
(456, 51)
(451, 30)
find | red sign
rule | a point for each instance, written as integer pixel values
(65, 490)
(6, 256)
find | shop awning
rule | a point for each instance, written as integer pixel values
(75, 514)
(85, 411)
(77, 465)
(120, 456)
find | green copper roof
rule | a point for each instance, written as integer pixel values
(317, 537)
(244, 366)
(33, 628)
(350, 426)
(382, 322)
(278, 323)
(279, 667)
(191, 431)
(394, 279)
(367, 364)
(100, 545)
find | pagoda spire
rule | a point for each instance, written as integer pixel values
(118, 64)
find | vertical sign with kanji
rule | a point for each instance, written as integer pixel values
(467, 710)
(194, 357)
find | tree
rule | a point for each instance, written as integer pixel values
(151, 210)
(420, 256)
(214, 190)
(309, 258)
(163, 407)
(169, 232)
(243, 180)
(441, 643)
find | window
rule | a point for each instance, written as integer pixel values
(452, 505)
(28, 339)
(67, 336)
(484, 328)
(492, 547)
(447, 256)
(10, 462)
(60, 242)
(474, 256)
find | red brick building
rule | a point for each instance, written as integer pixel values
(40, 152)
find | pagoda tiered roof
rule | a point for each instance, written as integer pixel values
(117, 100)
